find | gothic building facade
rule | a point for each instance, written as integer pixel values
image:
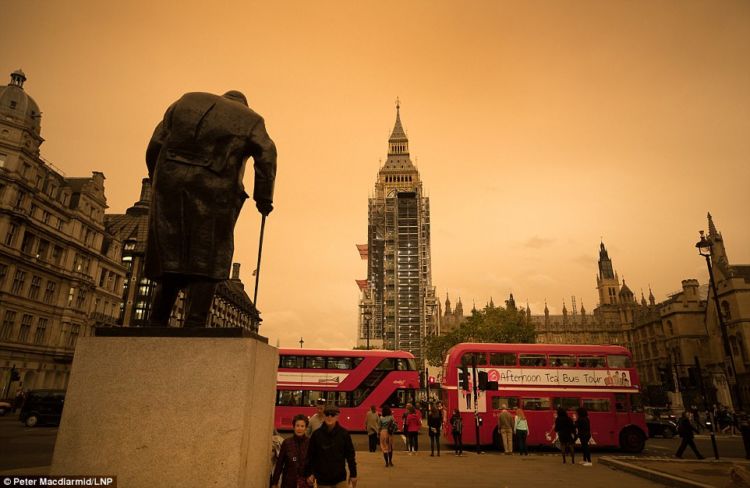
(61, 272)
(398, 306)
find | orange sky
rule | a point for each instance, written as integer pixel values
(537, 128)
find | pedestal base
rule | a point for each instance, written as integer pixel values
(169, 411)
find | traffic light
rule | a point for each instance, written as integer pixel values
(14, 375)
(665, 375)
(463, 378)
(483, 378)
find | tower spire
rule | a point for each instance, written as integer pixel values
(712, 232)
(398, 143)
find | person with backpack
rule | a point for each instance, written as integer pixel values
(387, 428)
(457, 429)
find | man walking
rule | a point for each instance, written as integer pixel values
(505, 424)
(372, 426)
(686, 430)
(316, 419)
(330, 450)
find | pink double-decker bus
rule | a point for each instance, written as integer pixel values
(539, 378)
(353, 380)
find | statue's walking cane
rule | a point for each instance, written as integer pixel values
(257, 268)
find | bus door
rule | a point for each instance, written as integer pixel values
(604, 429)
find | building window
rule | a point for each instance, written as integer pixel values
(3, 272)
(10, 236)
(41, 330)
(27, 243)
(49, 293)
(36, 284)
(73, 336)
(8, 322)
(25, 330)
(42, 249)
(57, 254)
(19, 199)
(18, 281)
(80, 299)
(46, 216)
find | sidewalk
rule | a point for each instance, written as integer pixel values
(681, 472)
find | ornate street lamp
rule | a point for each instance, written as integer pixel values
(705, 249)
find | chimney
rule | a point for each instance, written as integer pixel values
(235, 271)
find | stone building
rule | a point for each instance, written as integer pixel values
(231, 306)
(60, 269)
(667, 337)
(451, 318)
(398, 296)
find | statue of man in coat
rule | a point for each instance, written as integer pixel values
(196, 161)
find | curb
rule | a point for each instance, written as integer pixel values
(650, 474)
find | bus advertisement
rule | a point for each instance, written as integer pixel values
(539, 378)
(353, 380)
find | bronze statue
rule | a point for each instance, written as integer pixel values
(196, 161)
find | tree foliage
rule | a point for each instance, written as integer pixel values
(493, 324)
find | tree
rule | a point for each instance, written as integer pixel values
(493, 324)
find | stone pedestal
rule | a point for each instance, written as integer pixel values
(170, 411)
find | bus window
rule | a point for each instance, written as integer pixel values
(315, 362)
(387, 364)
(559, 361)
(502, 359)
(621, 404)
(481, 359)
(533, 360)
(356, 361)
(412, 364)
(400, 398)
(618, 361)
(402, 365)
(291, 398)
(290, 362)
(536, 403)
(339, 363)
(310, 398)
(591, 362)
(636, 402)
(338, 398)
(596, 404)
(509, 402)
(568, 403)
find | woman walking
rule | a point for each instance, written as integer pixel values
(565, 429)
(292, 457)
(435, 423)
(457, 429)
(413, 424)
(521, 427)
(583, 427)
(386, 430)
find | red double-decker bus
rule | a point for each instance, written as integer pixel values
(542, 377)
(351, 379)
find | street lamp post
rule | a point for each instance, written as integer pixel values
(705, 248)
(368, 317)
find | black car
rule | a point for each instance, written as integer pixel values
(661, 427)
(42, 407)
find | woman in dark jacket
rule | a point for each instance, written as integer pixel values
(566, 431)
(292, 457)
(435, 423)
(583, 426)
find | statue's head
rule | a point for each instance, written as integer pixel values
(236, 96)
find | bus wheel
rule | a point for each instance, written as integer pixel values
(632, 440)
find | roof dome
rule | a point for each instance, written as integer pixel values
(18, 105)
